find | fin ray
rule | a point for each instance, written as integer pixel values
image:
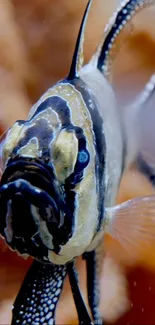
(77, 60)
(93, 291)
(132, 224)
(81, 308)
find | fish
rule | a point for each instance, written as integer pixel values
(61, 171)
(138, 119)
(145, 159)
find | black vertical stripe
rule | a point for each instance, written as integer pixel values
(59, 105)
(99, 142)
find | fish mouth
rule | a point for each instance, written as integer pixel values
(32, 208)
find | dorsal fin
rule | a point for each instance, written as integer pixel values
(77, 59)
(146, 94)
(144, 106)
(116, 24)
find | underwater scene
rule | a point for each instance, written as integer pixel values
(77, 162)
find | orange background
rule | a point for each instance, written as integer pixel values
(36, 45)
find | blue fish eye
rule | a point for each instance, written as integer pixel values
(83, 156)
(82, 159)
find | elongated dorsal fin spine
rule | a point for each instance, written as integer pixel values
(116, 24)
(77, 59)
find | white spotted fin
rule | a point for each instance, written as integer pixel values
(132, 224)
(116, 33)
(39, 294)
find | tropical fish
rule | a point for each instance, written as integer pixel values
(61, 171)
(145, 160)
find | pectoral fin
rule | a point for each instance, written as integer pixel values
(133, 224)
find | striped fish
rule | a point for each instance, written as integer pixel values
(61, 171)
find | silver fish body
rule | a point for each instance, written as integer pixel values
(61, 173)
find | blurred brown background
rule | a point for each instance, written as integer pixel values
(36, 44)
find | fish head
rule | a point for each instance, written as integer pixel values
(43, 160)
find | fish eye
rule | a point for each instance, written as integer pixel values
(82, 160)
